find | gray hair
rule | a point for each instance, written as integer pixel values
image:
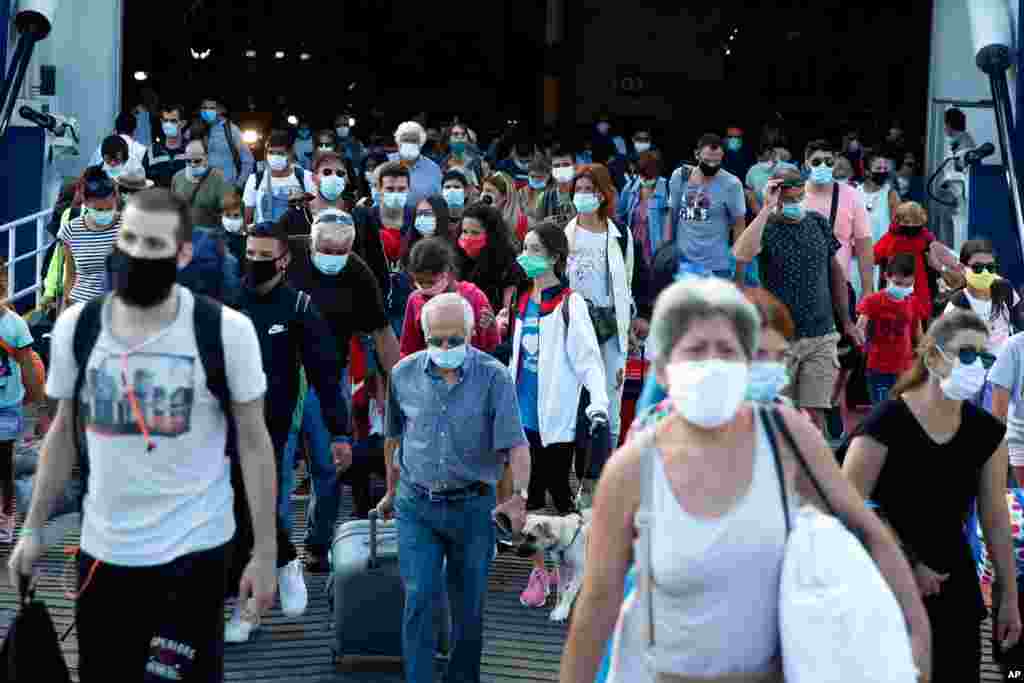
(697, 298)
(410, 127)
(447, 299)
(341, 227)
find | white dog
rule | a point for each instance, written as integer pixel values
(565, 538)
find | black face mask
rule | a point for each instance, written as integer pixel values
(141, 282)
(259, 273)
(707, 169)
(911, 230)
(879, 178)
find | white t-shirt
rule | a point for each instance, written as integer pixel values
(280, 188)
(148, 508)
(998, 329)
(588, 267)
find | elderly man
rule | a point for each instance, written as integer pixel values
(452, 421)
(424, 174)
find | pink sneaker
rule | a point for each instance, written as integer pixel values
(537, 589)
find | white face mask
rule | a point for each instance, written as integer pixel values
(965, 381)
(563, 174)
(277, 162)
(707, 393)
(232, 225)
(408, 151)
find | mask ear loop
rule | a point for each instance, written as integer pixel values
(133, 401)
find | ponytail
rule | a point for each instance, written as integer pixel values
(941, 331)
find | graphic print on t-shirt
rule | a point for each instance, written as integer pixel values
(531, 341)
(696, 208)
(160, 385)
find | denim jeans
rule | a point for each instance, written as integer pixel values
(879, 384)
(435, 538)
(323, 504)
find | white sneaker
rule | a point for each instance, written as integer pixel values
(291, 584)
(237, 629)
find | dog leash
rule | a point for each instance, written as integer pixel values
(576, 534)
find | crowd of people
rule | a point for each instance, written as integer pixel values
(447, 325)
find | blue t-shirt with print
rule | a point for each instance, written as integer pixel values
(14, 331)
(526, 384)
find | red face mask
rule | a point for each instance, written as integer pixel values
(473, 244)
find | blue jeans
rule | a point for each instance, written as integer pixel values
(323, 504)
(453, 537)
(879, 384)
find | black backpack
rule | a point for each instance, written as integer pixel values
(209, 341)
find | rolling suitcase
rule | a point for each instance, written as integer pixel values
(366, 592)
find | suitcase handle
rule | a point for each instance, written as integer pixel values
(372, 562)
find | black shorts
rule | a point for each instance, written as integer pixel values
(158, 623)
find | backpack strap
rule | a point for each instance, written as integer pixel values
(835, 207)
(87, 332)
(565, 315)
(207, 315)
(229, 133)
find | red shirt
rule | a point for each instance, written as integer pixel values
(485, 339)
(894, 243)
(891, 349)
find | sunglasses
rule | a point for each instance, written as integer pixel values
(830, 162)
(197, 162)
(968, 355)
(980, 268)
(327, 172)
(437, 342)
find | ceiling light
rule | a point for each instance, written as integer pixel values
(293, 120)
(352, 86)
(351, 122)
(196, 54)
(305, 56)
(250, 53)
(141, 75)
(279, 54)
(250, 137)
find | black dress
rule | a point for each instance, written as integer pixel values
(926, 490)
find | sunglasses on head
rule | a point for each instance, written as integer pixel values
(437, 342)
(980, 268)
(334, 218)
(967, 356)
(99, 188)
(829, 161)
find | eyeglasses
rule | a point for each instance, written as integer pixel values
(967, 356)
(828, 161)
(980, 268)
(437, 342)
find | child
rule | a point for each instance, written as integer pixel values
(894, 326)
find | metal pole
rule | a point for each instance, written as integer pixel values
(22, 56)
(1004, 126)
(11, 234)
(40, 256)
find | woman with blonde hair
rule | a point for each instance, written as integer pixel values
(500, 192)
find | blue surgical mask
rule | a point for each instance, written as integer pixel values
(537, 184)
(197, 171)
(331, 186)
(585, 202)
(426, 225)
(821, 174)
(102, 217)
(899, 293)
(457, 146)
(208, 115)
(395, 200)
(794, 211)
(448, 359)
(169, 129)
(342, 131)
(766, 380)
(329, 264)
(303, 133)
(734, 144)
(113, 172)
(456, 197)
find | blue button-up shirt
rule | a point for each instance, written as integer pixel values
(424, 179)
(453, 435)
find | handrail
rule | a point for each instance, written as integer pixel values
(43, 242)
(45, 213)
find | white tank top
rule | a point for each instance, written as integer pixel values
(877, 206)
(716, 581)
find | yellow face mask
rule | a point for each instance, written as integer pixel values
(982, 281)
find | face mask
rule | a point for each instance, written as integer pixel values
(456, 198)
(734, 144)
(232, 225)
(707, 169)
(707, 393)
(439, 287)
(103, 218)
(277, 162)
(879, 178)
(395, 200)
(603, 128)
(141, 282)
(793, 211)
(964, 382)
(899, 293)
(303, 133)
(457, 146)
(585, 202)
(980, 281)
(195, 172)
(329, 264)
(767, 379)
(342, 131)
(564, 174)
(537, 184)
(426, 225)
(648, 182)
(821, 174)
(169, 129)
(208, 115)
(533, 265)
(331, 186)
(641, 147)
(473, 244)
(408, 151)
(911, 230)
(113, 172)
(447, 359)
(260, 272)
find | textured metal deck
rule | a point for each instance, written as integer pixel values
(520, 644)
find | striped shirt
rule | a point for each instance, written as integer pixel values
(90, 249)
